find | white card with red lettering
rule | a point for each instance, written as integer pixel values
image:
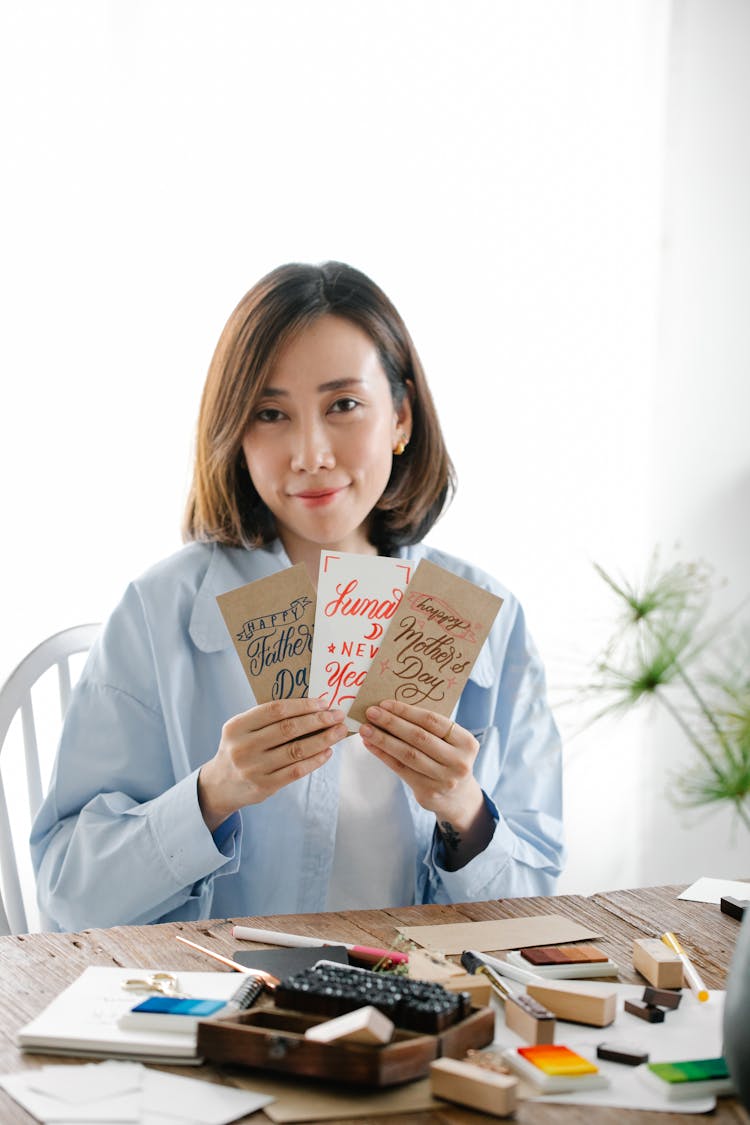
(357, 597)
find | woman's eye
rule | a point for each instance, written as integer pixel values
(344, 405)
(268, 414)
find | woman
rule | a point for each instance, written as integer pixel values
(171, 798)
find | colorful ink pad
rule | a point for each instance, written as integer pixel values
(554, 1069)
(563, 954)
(553, 1058)
(692, 1070)
(564, 962)
(692, 1078)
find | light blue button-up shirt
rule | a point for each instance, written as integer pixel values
(120, 837)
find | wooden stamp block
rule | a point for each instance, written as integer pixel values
(664, 997)
(578, 1003)
(657, 963)
(474, 1086)
(734, 907)
(530, 1020)
(478, 988)
(363, 1025)
(622, 1053)
(644, 1011)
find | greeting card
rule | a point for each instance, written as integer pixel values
(271, 623)
(358, 595)
(431, 644)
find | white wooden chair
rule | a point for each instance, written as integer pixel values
(15, 696)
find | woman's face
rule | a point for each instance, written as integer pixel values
(319, 446)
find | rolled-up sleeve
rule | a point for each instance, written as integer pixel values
(120, 837)
(519, 767)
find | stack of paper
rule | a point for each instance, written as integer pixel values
(126, 1092)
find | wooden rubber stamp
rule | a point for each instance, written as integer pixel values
(657, 963)
(734, 907)
(578, 1003)
(622, 1053)
(529, 1019)
(474, 1086)
(664, 997)
(363, 1025)
(644, 1011)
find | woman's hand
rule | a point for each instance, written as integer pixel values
(263, 750)
(435, 757)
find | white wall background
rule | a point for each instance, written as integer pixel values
(701, 393)
(555, 196)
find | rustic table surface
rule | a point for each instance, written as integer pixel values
(36, 967)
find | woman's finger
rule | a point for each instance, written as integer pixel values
(300, 750)
(413, 747)
(439, 725)
(282, 725)
(293, 771)
(424, 731)
(278, 711)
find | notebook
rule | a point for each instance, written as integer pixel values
(285, 962)
(83, 1018)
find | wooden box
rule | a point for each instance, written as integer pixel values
(273, 1039)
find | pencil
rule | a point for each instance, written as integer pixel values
(691, 973)
(473, 963)
(267, 979)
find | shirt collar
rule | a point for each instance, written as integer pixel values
(228, 568)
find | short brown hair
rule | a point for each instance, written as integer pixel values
(223, 505)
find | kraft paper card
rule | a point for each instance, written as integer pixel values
(300, 1100)
(271, 623)
(431, 644)
(358, 595)
(496, 935)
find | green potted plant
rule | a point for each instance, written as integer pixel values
(666, 648)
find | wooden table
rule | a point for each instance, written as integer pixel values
(35, 967)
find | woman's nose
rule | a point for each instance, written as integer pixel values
(312, 449)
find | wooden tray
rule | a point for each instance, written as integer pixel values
(273, 1039)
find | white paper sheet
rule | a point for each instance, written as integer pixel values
(714, 890)
(115, 1093)
(692, 1031)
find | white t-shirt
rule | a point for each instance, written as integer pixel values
(376, 849)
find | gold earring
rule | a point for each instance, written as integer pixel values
(401, 445)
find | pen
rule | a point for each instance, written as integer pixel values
(300, 941)
(507, 970)
(473, 964)
(691, 973)
(265, 977)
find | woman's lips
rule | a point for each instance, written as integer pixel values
(313, 498)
